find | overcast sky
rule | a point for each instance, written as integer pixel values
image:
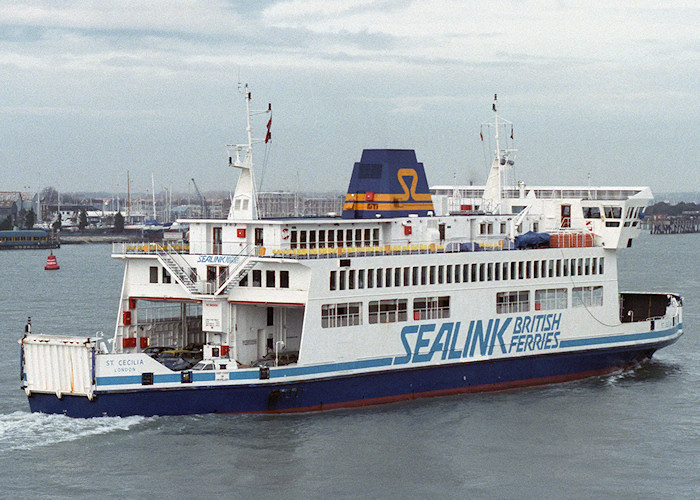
(92, 89)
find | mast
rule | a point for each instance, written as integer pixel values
(153, 195)
(502, 160)
(244, 203)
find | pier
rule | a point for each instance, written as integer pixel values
(687, 222)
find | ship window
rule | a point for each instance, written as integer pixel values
(489, 271)
(465, 273)
(270, 316)
(153, 274)
(331, 238)
(397, 276)
(512, 302)
(361, 278)
(351, 279)
(505, 270)
(370, 278)
(166, 276)
(448, 274)
(573, 267)
(321, 238)
(591, 212)
(387, 277)
(333, 280)
(580, 267)
(257, 277)
(587, 266)
(344, 314)
(358, 237)
(432, 275)
(302, 239)
(521, 270)
(441, 274)
(513, 270)
(553, 298)
(368, 240)
(431, 308)
(348, 237)
(339, 238)
(380, 278)
(536, 270)
(612, 212)
(415, 276)
(600, 265)
(558, 268)
(528, 269)
(375, 236)
(312, 239)
(406, 276)
(424, 275)
(551, 268)
(341, 280)
(565, 267)
(388, 311)
(284, 279)
(535, 226)
(594, 265)
(270, 279)
(497, 271)
(458, 272)
(293, 239)
(587, 296)
(503, 228)
(244, 281)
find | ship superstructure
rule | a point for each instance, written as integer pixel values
(407, 294)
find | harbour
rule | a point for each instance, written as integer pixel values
(625, 434)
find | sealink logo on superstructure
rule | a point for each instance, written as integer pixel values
(509, 335)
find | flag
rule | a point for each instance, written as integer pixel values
(511, 132)
(268, 136)
(481, 134)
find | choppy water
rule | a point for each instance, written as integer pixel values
(632, 434)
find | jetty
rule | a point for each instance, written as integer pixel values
(686, 222)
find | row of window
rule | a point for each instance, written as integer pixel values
(154, 273)
(332, 238)
(384, 311)
(611, 212)
(548, 299)
(351, 279)
(271, 279)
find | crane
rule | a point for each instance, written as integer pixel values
(205, 211)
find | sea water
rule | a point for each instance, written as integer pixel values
(628, 435)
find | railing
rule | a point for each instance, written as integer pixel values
(145, 247)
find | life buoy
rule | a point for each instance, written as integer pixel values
(285, 234)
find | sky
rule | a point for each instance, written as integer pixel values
(599, 92)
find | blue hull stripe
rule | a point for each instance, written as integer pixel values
(295, 371)
(349, 390)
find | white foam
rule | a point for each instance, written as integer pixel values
(24, 431)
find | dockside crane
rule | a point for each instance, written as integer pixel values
(205, 209)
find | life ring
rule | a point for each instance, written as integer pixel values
(285, 233)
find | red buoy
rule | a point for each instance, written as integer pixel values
(51, 263)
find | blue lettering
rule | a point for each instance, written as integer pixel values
(499, 334)
(526, 324)
(556, 339)
(518, 325)
(547, 323)
(406, 330)
(521, 343)
(446, 328)
(481, 337)
(556, 321)
(465, 351)
(538, 340)
(422, 342)
(454, 354)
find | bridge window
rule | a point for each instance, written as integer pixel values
(166, 276)
(257, 277)
(388, 311)
(153, 274)
(333, 280)
(512, 302)
(284, 279)
(344, 314)
(431, 308)
(270, 279)
(553, 298)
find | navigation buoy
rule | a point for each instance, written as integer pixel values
(51, 263)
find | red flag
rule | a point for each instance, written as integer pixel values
(481, 134)
(268, 136)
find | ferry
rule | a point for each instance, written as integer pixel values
(408, 293)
